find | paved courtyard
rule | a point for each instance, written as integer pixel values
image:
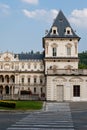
(55, 116)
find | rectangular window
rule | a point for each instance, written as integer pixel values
(68, 31)
(76, 91)
(22, 80)
(68, 51)
(54, 31)
(41, 90)
(34, 80)
(34, 90)
(29, 80)
(28, 66)
(22, 66)
(54, 50)
(41, 80)
(35, 66)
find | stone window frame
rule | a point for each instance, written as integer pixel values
(76, 90)
(54, 30)
(35, 65)
(75, 47)
(23, 65)
(29, 79)
(41, 77)
(41, 65)
(29, 65)
(35, 79)
(46, 47)
(68, 47)
(22, 79)
(54, 49)
(68, 31)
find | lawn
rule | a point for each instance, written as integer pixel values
(26, 105)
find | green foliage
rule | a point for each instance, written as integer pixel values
(7, 104)
(25, 105)
(82, 66)
(29, 105)
(82, 60)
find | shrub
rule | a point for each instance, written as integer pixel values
(7, 104)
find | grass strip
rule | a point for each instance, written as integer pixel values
(26, 105)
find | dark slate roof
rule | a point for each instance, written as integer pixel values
(61, 23)
(28, 56)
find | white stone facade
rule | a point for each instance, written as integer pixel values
(17, 75)
(55, 75)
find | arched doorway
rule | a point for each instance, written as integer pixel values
(7, 78)
(12, 79)
(7, 89)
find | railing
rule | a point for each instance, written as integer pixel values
(67, 71)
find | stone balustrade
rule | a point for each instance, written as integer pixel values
(67, 71)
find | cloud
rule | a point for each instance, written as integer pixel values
(79, 18)
(41, 14)
(31, 1)
(4, 9)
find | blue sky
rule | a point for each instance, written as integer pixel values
(23, 22)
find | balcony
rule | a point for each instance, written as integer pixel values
(67, 72)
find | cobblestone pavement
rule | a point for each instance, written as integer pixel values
(56, 116)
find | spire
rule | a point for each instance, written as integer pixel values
(62, 28)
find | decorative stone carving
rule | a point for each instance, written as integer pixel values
(7, 58)
(76, 79)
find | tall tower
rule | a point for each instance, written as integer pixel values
(61, 45)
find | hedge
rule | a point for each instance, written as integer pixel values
(7, 104)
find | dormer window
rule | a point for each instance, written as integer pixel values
(68, 31)
(54, 31)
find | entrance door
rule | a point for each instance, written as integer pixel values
(60, 93)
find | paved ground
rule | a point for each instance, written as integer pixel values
(9, 118)
(79, 115)
(55, 116)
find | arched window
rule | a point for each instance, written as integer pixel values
(7, 78)
(7, 89)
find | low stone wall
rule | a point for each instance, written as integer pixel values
(21, 97)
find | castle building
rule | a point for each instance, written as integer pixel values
(53, 73)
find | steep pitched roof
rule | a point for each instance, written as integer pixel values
(61, 23)
(27, 56)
